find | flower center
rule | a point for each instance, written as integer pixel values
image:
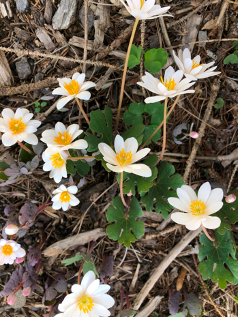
(195, 64)
(72, 88)
(124, 158)
(197, 207)
(170, 85)
(57, 160)
(7, 250)
(17, 126)
(64, 139)
(141, 3)
(65, 197)
(86, 304)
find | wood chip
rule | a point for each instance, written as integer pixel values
(6, 78)
(45, 38)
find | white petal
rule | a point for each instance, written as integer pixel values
(211, 222)
(77, 290)
(186, 54)
(101, 310)
(169, 72)
(88, 278)
(72, 189)
(105, 300)
(182, 218)
(102, 289)
(138, 169)
(188, 65)
(60, 91)
(75, 75)
(147, 5)
(27, 118)
(149, 86)
(196, 70)
(73, 311)
(20, 252)
(86, 86)
(194, 225)
(8, 139)
(81, 78)
(183, 196)
(92, 287)
(31, 139)
(74, 201)
(140, 154)
(178, 62)
(78, 144)
(119, 144)
(84, 95)
(56, 205)
(162, 88)
(216, 195)
(175, 202)
(131, 144)
(204, 192)
(115, 168)
(108, 153)
(7, 114)
(154, 99)
(63, 101)
(178, 76)
(214, 207)
(65, 206)
(190, 192)
(60, 128)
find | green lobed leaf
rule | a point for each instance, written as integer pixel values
(43, 104)
(133, 115)
(135, 131)
(220, 103)
(100, 124)
(89, 266)
(72, 260)
(148, 132)
(37, 104)
(229, 211)
(160, 190)
(121, 229)
(70, 168)
(232, 58)
(155, 59)
(25, 156)
(134, 57)
(82, 167)
(143, 184)
(4, 165)
(3, 176)
(219, 253)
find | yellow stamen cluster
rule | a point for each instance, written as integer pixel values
(7, 250)
(170, 85)
(17, 126)
(86, 304)
(57, 160)
(63, 139)
(124, 158)
(65, 197)
(72, 88)
(195, 64)
(197, 207)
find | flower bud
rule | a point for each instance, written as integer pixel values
(129, 194)
(26, 291)
(11, 299)
(11, 229)
(194, 134)
(19, 260)
(230, 198)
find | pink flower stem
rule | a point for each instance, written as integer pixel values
(80, 158)
(82, 110)
(164, 128)
(207, 234)
(25, 148)
(121, 190)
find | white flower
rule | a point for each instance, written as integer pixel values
(9, 251)
(192, 69)
(142, 10)
(63, 137)
(172, 85)
(18, 127)
(89, 299)
(64, 197)
(11, 229)
(198, 208)
(72, 88)
(125, 157)
(55, 161)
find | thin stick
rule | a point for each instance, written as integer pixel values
(170, 111)
(207, 234)
(124, 75)
(121, 189)
(164, 129)
(80, 158)
(82, 110)
(25, 148)
(85, 35)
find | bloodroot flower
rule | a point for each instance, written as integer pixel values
(125, 157)
(9, 251)
(18, 127)
(145, 10)
(72, 88)
(63, 137)
(169, 86)
(89, 299)
(198, 208)
(55, 161)
(64, 197)
(192, 69)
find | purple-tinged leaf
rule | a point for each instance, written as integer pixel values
(13, 282)
(61, 286)
(33, 256)
(34, 163)
(27, 214)
(50, 293)
(106, 270)
(9, 209)
(193, 305)
(38, 149)
(30, 277)
(173, 303)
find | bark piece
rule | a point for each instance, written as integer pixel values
(65, 15)
(22, 34)
(45, 38)
(193, 27)
(6, 9)
(102, 24)
(22, 5)
(6, 78)
(91, 17)
(73, 241)
(48, 11)
(23, 68)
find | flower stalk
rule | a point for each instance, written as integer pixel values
(207, 234)
(124, 75)
(121, 189)
(25, 148)
(82, 110)
(164, 129)
(81, 158)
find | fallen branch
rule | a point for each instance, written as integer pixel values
(150, 307)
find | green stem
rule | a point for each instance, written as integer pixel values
(124, 75)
